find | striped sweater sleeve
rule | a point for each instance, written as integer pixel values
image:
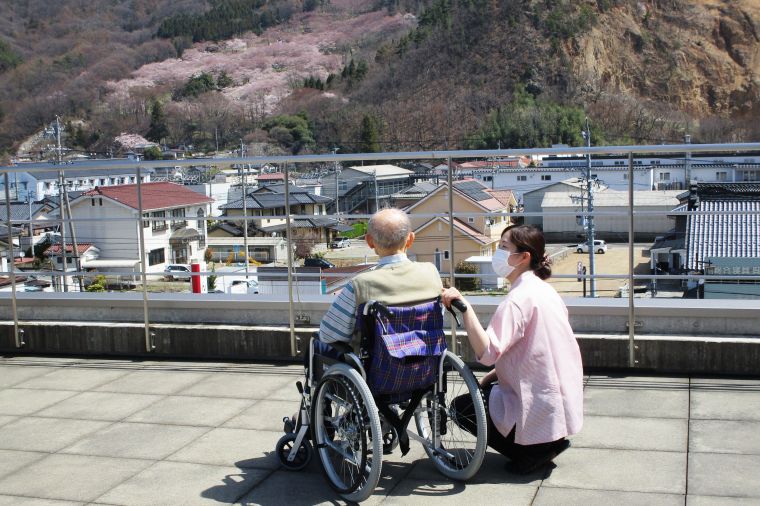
(338, 323)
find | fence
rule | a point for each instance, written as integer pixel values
(357, 191)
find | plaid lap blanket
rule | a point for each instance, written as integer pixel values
(405, 347)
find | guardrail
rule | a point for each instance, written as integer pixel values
(290, 219)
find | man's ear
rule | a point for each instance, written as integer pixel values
(370, 241)
(410, 240)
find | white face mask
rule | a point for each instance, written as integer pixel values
(500, 263)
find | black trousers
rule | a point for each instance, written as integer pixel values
(465, 418)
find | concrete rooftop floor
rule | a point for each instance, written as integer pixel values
(88, 431)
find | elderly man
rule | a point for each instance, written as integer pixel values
(396, 280)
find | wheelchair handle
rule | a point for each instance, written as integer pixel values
(459, 305)
(457, 308)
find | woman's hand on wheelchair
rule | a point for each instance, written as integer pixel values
(451, 294)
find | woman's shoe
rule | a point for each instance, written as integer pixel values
(527, 465)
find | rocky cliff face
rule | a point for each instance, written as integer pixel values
(701, 57)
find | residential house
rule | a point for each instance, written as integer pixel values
(475, 235)
(5, 247)
(312, 225)
(413, 194)
(174, 224)
(364, 189)
(21, 215)
(724, 241)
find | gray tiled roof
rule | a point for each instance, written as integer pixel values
(19, 211)
(723, 235)
(259, 199)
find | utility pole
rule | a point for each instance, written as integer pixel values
(61, 208)
(374, 177)
(590, 219)
(75, 247)
(337, 194)
(245, 210)
(687, 140)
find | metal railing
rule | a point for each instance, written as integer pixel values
(447, 266)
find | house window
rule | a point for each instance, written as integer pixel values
(102, 182)
(750, 175)
(159, 225)
(487, 178)
(664, 176)
(342, 185)
(156, 256)
(470, 219)
(721, 176)
(445, 254)
(178, 213)
(522, 178)
(546, 177)
(201, 221)
(146, 224)
(92, 201)
(625, 177)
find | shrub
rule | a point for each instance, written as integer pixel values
(99, 285)
(467, 284)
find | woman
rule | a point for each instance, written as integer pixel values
(535, 391)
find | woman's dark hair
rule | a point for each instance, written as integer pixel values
(528, 238)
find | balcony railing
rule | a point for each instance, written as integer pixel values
(443, 244)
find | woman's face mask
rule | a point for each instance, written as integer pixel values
(500, 263)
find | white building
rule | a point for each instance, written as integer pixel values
(175, 233)
(40, 184)
(564, 224)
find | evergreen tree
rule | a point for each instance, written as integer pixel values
(224, 80)
(158, 128)
(369, 137)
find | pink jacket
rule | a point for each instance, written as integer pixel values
(538, 364)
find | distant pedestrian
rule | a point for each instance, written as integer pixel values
(535, 392)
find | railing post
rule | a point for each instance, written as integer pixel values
(149, 344)
(17, 334)
(454, 338)
(291, 316)
(631, 314)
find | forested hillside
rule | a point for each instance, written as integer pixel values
(364, 75)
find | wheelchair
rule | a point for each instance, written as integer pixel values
(354, 409)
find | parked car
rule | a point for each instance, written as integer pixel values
(341, 242)
(243, 286)
(318, 262)
(177, 271)
(599, 246)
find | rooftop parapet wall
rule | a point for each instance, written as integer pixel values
(672, 335)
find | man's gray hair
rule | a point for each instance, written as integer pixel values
(389, 228)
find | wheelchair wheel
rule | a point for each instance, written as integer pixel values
(347, 435)
(456, 452)
(302, 456)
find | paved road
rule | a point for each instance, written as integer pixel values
(78, 431)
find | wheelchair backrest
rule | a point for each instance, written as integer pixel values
(401, 345)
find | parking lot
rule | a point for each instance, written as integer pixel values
(614, 262)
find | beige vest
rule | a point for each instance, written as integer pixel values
(403, 283)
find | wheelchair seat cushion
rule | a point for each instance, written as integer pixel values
(404, 348)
